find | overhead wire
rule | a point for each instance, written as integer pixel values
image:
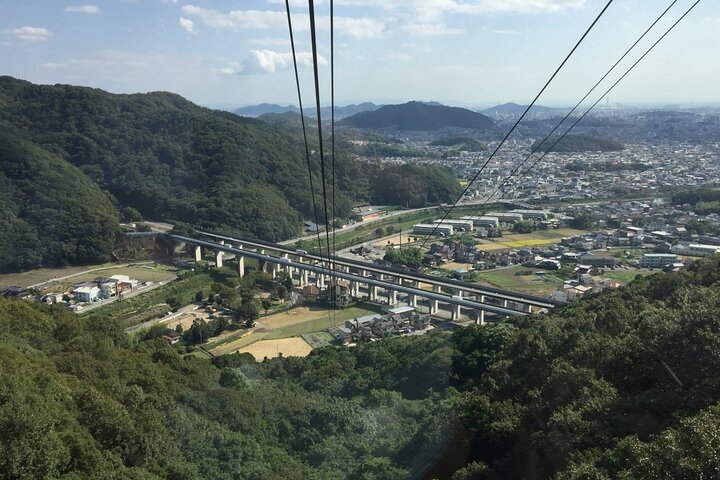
(313, 38)
(537, 147)
(520, 119)
(630, 69)
(304, 128)
(332, 139)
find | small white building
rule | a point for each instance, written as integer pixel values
(86, 294)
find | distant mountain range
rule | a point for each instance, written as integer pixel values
(516, 109)
(419, 116)
(340, 112)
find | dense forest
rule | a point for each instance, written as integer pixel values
(703, 200)
(622, 385)
(578, 143)
(418, 116)
(157, 155)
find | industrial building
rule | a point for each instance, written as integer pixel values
(532, 214)
(695, 250)
(484, 221)
(464, 225)
(506, 217)
(435, 229)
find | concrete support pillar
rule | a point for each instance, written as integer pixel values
(287, 268)
(434, 303)
(373, 292)
(304, 278)
(455, 315)
(527, 308)
(412, 300)
(505, 303)
(480, 319)
(263, 263)
(460, 293)
(198, 253)
(241, 266)
(274, 267)
(392, 297)
(219, 259)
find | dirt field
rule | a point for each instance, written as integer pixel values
(289, 347)
(395, 240)
(186, 319)
(456, 265)
(291, 317)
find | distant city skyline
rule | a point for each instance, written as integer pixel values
(472, 53)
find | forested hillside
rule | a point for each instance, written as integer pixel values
(50, 213)
(161, 155)
(418, 116)
(78, 399)
(578, 143)
(623, 385)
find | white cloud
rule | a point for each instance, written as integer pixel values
(87, 9)
(29, 35)
(355, 27)
(237, 19)
(269, 61)
(359, 27)
(270, 42)
(188, 25)
(434, 7)
(504, 32)
(431, 29)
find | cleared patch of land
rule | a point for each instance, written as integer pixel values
(455, 266)
(61, 279)
(396, 240)
(288, 347)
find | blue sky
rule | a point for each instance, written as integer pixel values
(460, 52)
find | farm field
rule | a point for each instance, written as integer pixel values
(288, 347)
(533, 284)
(522, 240)
(291, 323)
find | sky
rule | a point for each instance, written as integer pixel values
(459, 52)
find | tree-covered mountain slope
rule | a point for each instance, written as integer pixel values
(418, 116)
(79, 399)
(50, 212)
(623, 385)
(168, 159)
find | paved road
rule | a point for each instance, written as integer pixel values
(358, 224)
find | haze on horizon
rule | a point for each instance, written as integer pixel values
(472, 53)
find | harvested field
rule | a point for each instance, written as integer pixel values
(288, 347)
(395, 240)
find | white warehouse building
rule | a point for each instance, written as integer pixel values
(465, 225)
(483, 221)
(435, 229)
